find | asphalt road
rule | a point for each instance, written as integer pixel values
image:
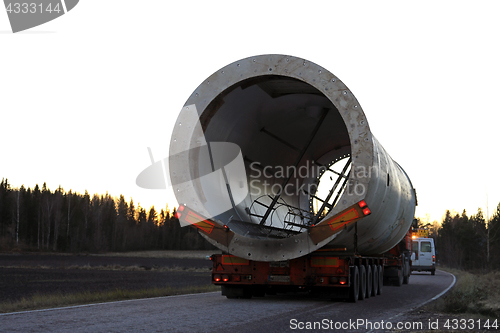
(211, 312)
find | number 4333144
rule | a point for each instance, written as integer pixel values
(32, 8)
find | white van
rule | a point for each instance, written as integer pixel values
(423, 257)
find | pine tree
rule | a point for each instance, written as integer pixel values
(5, 208)
(494, 238)
(47, 211)
(37, 212)
(58, 216)
(121, 225)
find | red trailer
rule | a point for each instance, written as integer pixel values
(329, 271)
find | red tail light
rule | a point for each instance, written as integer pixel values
(433, 258)
(217, 278)
(225, 278)
(179, 210)
(342, 280)
(362, 204)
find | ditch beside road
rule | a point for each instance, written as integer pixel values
(25, 275)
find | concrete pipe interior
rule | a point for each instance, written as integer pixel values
(297, 132)
(294, 143)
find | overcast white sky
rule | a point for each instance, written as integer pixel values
(83, 96)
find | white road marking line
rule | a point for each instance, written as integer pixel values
(428, 301)
(103, 303)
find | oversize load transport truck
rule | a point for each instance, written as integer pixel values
(272, 160)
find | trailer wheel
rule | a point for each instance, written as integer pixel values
(369, 281)
(399, 279)
(362, 283)
(259, 292)
(354, 288)
(233, 292)
(375, 280)
(247, 292)
(406, 276)
(380, 279)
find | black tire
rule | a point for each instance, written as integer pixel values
(362, 283)
(232, 292)
(406, 276)
(380, 279)
(375, 280)
(433, 272)
(399, 279)
(259, 292)
(354, 284)
(369, 281)
(247, 293)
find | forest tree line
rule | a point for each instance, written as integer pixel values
(66, 221)
(467, 242)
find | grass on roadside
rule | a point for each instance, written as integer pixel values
(41, 301)
(179, 254)
(473, 293)
(170, 254)
(118, 268)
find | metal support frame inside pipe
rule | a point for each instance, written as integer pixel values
(256, 113)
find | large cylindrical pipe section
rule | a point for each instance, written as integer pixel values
(274, 146)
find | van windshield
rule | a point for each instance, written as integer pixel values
(425, 247)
